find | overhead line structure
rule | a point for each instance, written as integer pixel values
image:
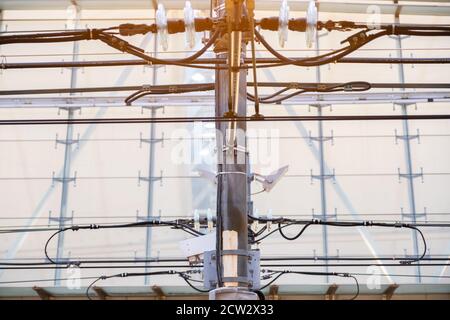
(242, 119)
(229, 27)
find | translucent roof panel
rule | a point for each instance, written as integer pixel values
(384, 171)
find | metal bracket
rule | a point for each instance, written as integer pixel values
(210, 270)
(153, 108)
(321, 106)
(64, 180)
(149, 141)
(322, 138)
(327, 216)
(146, 218)
(411, 216)
(67, 142)
(410, 176)
(405, 104)
(323, 177)
(59, 219)
(149, 179)
(407, 137)
(69, 109)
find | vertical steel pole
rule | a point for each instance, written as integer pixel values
(151, 168)
(232, 171)
(68, 145)
(323, 195)
(408, 156)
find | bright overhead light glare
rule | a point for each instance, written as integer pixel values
(198, 77)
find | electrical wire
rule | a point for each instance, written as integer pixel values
(176, 88)
(25, 122)
(173, 224)
(188, 281)
(354, 86)
(308, 223)
(310, 273)
(269, 62)
(356, 41)
(126, 275)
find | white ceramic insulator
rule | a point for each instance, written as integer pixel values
(189, 24)
(161, 23)
(283, 23)
(311, 24)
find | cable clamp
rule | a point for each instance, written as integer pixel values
(74, 264)
(294, 85)
(348, 87)
(3, 62)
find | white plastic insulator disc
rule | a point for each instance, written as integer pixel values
(283, 23)
(189, 24)
(161, 23)
(311, 24)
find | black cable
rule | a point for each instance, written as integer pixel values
(356, 41)
(185, 278)
(23, 122)
(310, 273)
(354, 86)
(296, 236)
(48, 241)
(272, 281)
(126, 275)
(94, 282)
(219, 228)
(269, 62)
(347, 224)
(79, 264)
(171, 89)
(175, 225)
(166, 89)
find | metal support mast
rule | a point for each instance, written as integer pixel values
(68, 146)
(231, 86)
(406, 134)
(151, 168)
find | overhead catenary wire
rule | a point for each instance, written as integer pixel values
(24, 122)
(173, 224)
(309, 273)
(73, 264)
(179, 88)
(121, 45)
(284, 223)
(111, 40)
